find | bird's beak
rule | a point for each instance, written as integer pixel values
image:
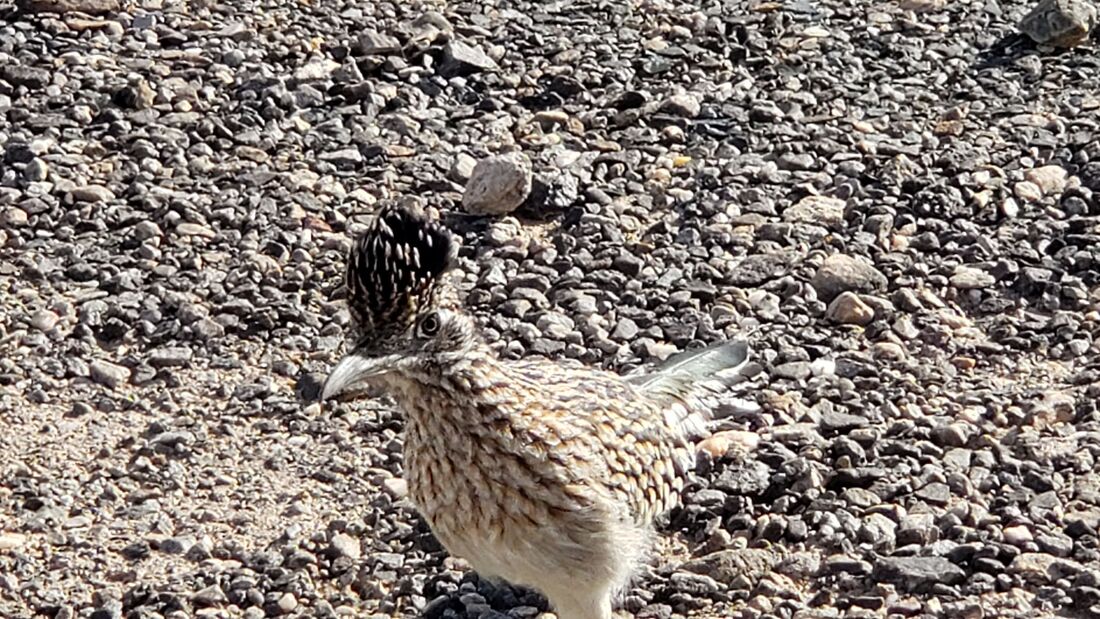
(352, 375)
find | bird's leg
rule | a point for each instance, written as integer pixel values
(581, 604)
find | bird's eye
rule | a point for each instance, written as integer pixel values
(429, 326)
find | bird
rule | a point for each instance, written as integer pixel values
(536, 472)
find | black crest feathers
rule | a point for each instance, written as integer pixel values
(394, 267)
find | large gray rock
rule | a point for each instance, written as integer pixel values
(498, 185)
(1061, 23)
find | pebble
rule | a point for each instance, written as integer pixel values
(968, 278)
(318, 69)
(287, 603)
(92, 193)
(1051, 179)
(170, 357)
(44, 320)
(109, 374)
(498, 185)
(685, 105)
(210, 596)
(11, 541)
(850, 309)
(343, 545)
(841, 273)
(917, 573)
(819, 210)
(1028, 191)
(462, 168)
(91, 7)
(1018, 535)
(36, 171)
(460, 58)
(729, 442)
(13, 217)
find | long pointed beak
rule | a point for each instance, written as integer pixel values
(351, 375)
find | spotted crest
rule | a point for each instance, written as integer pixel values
(394, 270)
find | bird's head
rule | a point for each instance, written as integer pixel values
(406, 319)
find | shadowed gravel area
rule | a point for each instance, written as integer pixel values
(898, 205)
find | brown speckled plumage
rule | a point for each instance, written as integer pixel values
(543, 474)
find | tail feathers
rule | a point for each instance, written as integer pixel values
(723, 363)
(689, 385)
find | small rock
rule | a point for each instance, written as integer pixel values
(1040, 568)
(44, 320)
(696, 585)
(13, 217)
(287, 603)
(20, 75)
(320, 69)
(625, 331)
(176, 545)
(345, 157)
(917, 573)
(171, 357)
(849, 309)
(92, 193)
(819, 210)
(1060, 23)
(726, 566)
(372, 43)
(108, 374)
(952, 435)
(498, 184)
(464, 59)
(684, 105)
(188, 228)
(11, 541)
(396, 486)
(935, 493)
(837, 422)
(37, 170)
(1027, 191)
(91, 7)
(210, 596)
(796, 162)
(1018, 535)
(922, 6)
(728, 442)
(969, 278)
(1050, 179)
(840, 273)
(145, 230)
(462, 168)
(344, 545)
(659, 350)
(137, 95)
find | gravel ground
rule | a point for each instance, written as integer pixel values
(898, 203)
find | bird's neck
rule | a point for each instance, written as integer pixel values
(453, 383)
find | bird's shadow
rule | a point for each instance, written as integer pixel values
(1014, 46)
(1006, 50)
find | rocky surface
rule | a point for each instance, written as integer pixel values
(897, 202)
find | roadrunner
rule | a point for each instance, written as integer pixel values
(535, 472)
